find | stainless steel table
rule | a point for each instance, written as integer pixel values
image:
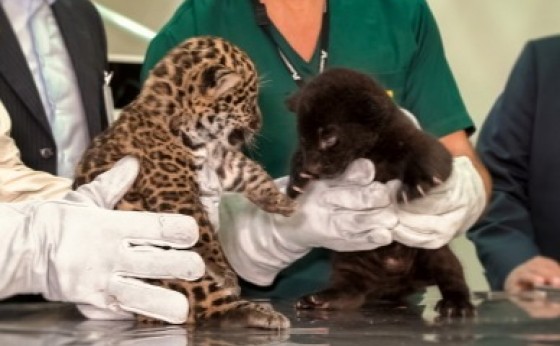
(501, 320)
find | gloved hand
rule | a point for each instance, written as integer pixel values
(445, 212)
(79, 250)
(348, 213)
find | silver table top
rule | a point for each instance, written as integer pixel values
(501, 320)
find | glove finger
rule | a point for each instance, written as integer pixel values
(433, 203)
(427, 223)
(138, 297)
(143, 228)
(359, 172)
(413, 238)
(109, 187)
(362, 231)
(362, 241)
(156, 263)
(349, 223)
(95, 313)
(427, 231)
(375, 196)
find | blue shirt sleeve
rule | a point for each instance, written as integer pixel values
(504, 237)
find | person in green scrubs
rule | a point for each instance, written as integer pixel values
(397, 42)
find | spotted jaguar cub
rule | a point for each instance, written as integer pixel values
(197, 108)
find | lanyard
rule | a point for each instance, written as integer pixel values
(264, 22)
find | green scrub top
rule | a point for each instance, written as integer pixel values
(395, 41)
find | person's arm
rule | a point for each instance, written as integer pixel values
(504, 237)
(458, 144)
(19, 182)
(433, 97)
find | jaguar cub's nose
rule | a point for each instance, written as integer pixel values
(315, 169)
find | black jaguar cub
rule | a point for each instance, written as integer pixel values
(344, 115)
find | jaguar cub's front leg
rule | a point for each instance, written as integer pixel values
(428, 165)
(240, 174)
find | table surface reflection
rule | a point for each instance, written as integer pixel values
(532, 319)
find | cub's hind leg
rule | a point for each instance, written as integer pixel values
(215, 297)
(211, 303)
(446, 270)
(348, 288)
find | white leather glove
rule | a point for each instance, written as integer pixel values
(445, 212)
(348, 213)
(79, 250)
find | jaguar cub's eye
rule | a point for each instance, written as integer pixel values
(328, 142)
(327, 138)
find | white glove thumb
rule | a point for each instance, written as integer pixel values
(109, 187)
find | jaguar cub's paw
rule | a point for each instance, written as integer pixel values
(416, 188)
(254, 315)
(267, 318)
(281, 204)
(330, 299)
(455, 308)
(293, 191)
(312, 302)
(297, 184)
(422, 174)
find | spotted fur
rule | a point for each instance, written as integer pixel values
(198, 107)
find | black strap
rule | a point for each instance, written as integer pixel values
(265, 23)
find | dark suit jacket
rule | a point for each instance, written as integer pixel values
(520, 145)
(83, 33)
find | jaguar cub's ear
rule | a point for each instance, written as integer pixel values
(217, 80)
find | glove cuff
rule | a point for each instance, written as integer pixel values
(24, 266)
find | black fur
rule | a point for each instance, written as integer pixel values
(344, 115)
